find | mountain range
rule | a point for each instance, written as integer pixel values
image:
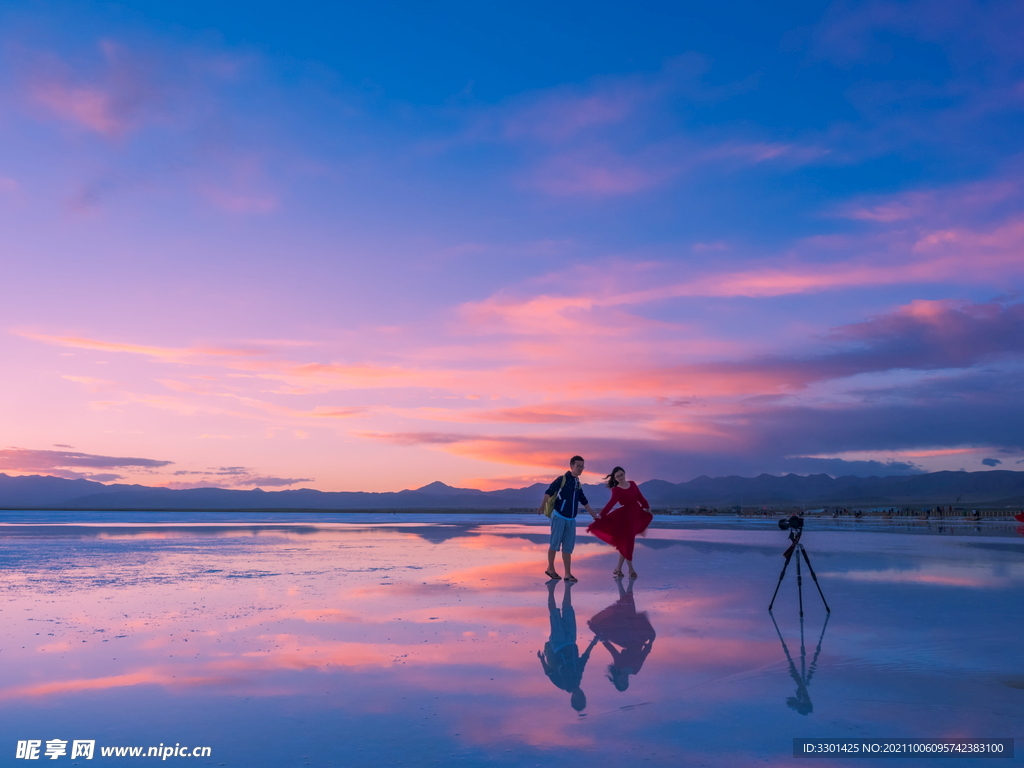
(992, 488)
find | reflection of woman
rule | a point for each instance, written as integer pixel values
(620, 625)
(621, 526)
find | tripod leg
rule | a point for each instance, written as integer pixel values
(785, 565)
(799, 585)
(815, 577)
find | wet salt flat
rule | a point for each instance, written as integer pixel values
(339, 640)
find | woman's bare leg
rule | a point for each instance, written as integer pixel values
(618, 567)
(632, 571)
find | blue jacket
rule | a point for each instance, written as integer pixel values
(570, 497)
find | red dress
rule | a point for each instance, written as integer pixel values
(621, 526)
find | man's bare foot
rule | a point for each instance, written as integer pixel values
(552, 574)
(570, 577)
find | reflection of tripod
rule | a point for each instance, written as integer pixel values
(796, 546)
(802, 701)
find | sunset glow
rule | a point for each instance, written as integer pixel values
(245, 251)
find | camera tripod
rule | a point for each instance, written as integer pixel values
(798, 548)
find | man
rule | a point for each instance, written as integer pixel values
(568, 495)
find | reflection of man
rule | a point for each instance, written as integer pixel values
(561, 656)
(620, 625)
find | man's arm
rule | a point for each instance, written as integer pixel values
(540, 509)
(585, 501)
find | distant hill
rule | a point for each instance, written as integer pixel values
(43, 492)
(993, 488)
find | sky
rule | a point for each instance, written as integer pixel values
(370, 246)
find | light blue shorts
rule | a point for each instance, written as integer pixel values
(563, 533)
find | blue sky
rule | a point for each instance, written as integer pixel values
(370, 247)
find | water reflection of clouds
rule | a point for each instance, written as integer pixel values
(387, 613)
(946, 577)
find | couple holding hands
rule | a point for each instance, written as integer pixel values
(618, 527)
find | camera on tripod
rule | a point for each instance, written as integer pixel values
(795, 525)
(794, 522)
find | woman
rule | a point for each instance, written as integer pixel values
(621, 526)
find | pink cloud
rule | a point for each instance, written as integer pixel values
(920, 336)
(559, 116)
(111, 103)
(855, 33)
(923, 242)
(601, 169)
(564, 113)
(240, 407)
(179, 95)
(260, 363)
(762, 151)
(935, 336)
(164, 353)
(598, 172)
(240, 186)
(506, 481)
(89, 107)
(92, 384)
(981, 254)
(275, 482)
(939, 205)
(230, 477)
(566, 413)
(712, 247)
(551, 452)
(241, 203)
(599, 139)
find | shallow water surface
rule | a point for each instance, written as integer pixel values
(383, 640)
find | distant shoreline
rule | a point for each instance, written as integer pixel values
(753, 513)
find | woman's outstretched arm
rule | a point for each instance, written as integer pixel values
(643, 502)
(611, 502)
